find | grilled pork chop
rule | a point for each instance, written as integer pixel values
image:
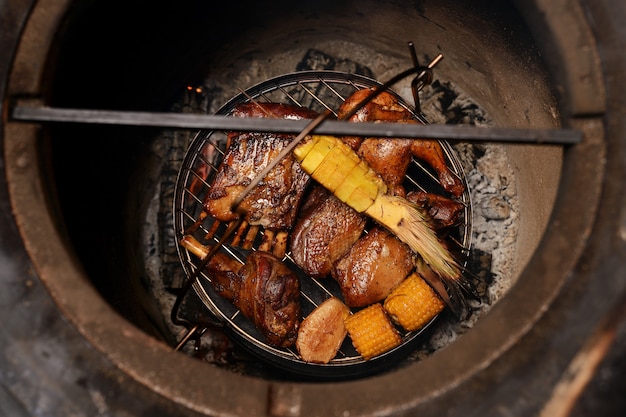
(274, 202)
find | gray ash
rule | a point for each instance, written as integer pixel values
(317, 60)
(455, 108)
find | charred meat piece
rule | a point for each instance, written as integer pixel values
(265, 290)
(430, 151)
(270, 296)
(444, 212)
(325, 230)
(224, 273)
(390, 157)
(372, 268)
(273, 203)
(382, 107)
(222, 268)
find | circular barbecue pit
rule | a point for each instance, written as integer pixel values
(99, 228)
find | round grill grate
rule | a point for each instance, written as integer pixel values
(319, 91)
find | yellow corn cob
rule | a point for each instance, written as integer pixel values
(338, 168)
(372, 332)
(332, 163)
(413, 303)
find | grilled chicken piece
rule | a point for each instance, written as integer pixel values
(265, 290)
(430, 151)
(372, 268)
(274, 202)
(325, 230)
(444, 212)
(390, 157)
(383, 107)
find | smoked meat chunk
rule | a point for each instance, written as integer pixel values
(375, 265)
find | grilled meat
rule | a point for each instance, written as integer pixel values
(325, 230)
(372, 268)
(444, 212)
(224, 272)
(368, 272)
(270, 296)
(390, 157)
(430, 151)
(265, 290)
(273, 203)
(384, 107)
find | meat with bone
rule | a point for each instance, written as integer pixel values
(325, 230)
(444, 212)
(270, 296)
(265, 290)
(372, 268)
(273, 203)
(390, 157)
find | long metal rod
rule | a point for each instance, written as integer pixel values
(42, 114)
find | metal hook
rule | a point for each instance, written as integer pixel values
(424, 75)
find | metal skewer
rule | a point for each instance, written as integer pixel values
(40, 114)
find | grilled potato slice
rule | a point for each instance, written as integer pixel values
(322, 332)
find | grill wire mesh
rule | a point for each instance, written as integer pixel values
(319, 91)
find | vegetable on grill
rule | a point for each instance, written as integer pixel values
(322, 332)
(413, 303)
(337, 167)
(372, 332)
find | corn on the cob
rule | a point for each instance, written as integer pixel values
(372, 332)
(337, 167)
(413, 303)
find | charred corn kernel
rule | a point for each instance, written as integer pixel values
(372, 332)
(413, 303)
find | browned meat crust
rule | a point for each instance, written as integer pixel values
(270, 296)
(444, 212)
(224, 273)
(324, 232)
(372, 268)
(390, 157)
(274, 202)
(265, 290)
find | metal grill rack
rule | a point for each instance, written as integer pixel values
(319, 91)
